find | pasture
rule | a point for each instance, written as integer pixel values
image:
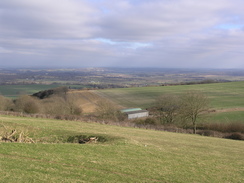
(222, 95)
(124, 155)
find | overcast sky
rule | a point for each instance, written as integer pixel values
(122, 33)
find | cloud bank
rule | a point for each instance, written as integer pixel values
(124, 33)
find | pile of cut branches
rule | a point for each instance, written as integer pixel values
(14, 136)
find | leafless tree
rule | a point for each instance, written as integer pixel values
(166, 108)
(193, 105)
(107, 110)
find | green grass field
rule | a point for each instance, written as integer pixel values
(222, 95)
(128, 155)
(226, 117)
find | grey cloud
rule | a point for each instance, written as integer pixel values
(45, 19)
(159, 33)
(158, 19)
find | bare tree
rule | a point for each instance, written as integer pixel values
(193, 105)
(166, 108)
(107, 110)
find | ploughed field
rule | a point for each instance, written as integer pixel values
(121, 154)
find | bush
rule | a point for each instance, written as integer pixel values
(206, 133)
(55, 105)
(6, 104)
(147, 121)
(235, 127)
(76, 110)
(107, 110)
(27, 104)
(235, 136)
(150, 121)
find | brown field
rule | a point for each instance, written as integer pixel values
(88, 99)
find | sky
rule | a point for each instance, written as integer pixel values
(122, 33)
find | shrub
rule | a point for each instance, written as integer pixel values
(235, 127)
(139, 121)
(147, 121)
(55, 105)
(206, 132)
(5, 103)
(150, 121)
(107, 110)
(235, 136)
(27, 104)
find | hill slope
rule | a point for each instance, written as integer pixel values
(222, 95)
(128, 155)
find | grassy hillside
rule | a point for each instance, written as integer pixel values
(222, 95)
(127, 155)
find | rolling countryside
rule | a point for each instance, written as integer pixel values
(125, 154)
(129, 91)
